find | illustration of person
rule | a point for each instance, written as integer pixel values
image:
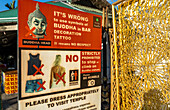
(57, 71)
(38, 20)
(75, 75)
(72, 75)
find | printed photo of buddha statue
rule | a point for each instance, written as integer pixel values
(38, 20)
(57, 77)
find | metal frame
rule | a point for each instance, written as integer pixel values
(140, 71)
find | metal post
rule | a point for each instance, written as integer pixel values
(111, 73)
(103, 18)
(116, 59)
(106, 24)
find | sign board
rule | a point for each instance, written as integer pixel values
(59, 57)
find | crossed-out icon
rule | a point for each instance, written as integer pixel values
(41, 85)
(30, 32)
(39, 70)
(60, 78)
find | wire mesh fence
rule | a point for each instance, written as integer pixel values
(141, 36)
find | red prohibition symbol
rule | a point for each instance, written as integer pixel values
(30, 31)
(41, 86)
(38, 69)
(61, 78)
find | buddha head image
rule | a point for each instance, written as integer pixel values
(38, 20)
